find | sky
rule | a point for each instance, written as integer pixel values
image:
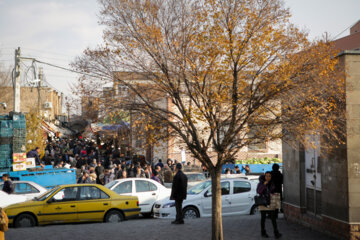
(56, 31)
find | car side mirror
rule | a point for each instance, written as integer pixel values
(207, 194)
(50, 200)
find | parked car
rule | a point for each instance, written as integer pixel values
(73, 203)
(147, 190)
(237, 198)
(193, 179)
(27, 188)
(8, 199)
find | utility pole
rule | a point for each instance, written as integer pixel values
(39, 88)
(17, 81)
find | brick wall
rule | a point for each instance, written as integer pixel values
(330, 226)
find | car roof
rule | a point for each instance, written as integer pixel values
(77, 185)
(230, 179)
(235, 179)
(31, 182)
(135, 178)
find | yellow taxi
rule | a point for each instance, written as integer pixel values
(73, 203)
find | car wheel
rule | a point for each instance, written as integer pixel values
(24, 220)
(254, 210)
(114, 216)
(191, 212)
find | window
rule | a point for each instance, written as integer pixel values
(256, 137)
(138, 143)
(153, 187)
(24, 188)
(125, 187)
(142, 186)
(123, 91)
(225, 189)
(88, 193)
(66, 194)
(240, 187)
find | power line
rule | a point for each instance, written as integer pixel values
(67, 69)
(344, 31)
(59, 59)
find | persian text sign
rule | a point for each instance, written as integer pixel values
(19, 166)
(30, 163)
(19, 157)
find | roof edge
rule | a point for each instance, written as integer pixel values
(349, 52)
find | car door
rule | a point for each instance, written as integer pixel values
(147, 194)
(241, 199)
(60, 207)
(92, 204)
(225, 199)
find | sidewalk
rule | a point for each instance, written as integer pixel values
(235, 227)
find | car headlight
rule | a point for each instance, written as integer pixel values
(168, 205)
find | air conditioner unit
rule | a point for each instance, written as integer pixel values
(48, 105)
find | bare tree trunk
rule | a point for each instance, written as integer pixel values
(217, 228)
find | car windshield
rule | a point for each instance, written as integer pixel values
(198, 188)
(195, 177)
(46, 195)
(110, 184)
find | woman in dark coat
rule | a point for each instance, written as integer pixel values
(266, 188)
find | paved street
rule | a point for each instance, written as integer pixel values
(235, 227)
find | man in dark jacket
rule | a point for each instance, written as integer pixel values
(178, 193)
(99, 170)
(8, 186)
(35, 154)
(277, 179)
(84, 178)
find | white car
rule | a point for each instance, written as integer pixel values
(194, 178)
(27, 189)
(8, 199)
(237, 198)
(147, 190)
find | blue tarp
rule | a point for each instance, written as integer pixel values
(254, 168)
(97, 127)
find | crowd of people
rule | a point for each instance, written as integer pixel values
(100, 164)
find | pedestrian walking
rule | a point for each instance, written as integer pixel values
(8, 186)
(266, 189)
(178, 193)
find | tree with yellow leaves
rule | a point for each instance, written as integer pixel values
(227, 67)
(34, 132)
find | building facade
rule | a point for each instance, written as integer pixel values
(47, 100)
(322, 191)
(173, 148)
